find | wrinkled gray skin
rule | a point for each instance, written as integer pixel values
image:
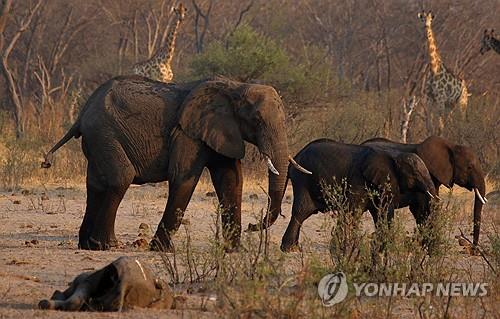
(135, 130)
(125, 283)
(448, 164)
(362, 167)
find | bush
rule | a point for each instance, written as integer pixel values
(246, 55)
(389, 254)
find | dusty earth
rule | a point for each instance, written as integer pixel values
(38, 241)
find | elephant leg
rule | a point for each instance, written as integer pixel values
(228, 182)
(102, 236)
(420, 207)
(420, 211)
(95, 196)
(110, 175)
(303, 207)
(179, 194)
(376, 214)
(187, 160)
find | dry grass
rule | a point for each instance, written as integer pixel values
(259, 281)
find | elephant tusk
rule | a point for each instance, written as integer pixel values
(142, 269)
(481, 198)
(430, 195)
(271, 166)
(297, 166)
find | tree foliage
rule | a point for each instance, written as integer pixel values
(244, 55)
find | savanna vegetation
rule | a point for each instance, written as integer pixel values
(347, 70)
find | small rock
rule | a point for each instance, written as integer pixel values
(210, 194)
(144, 226)
(16, 202)
(253, 196)
(26, 192)
(31, 243)
(462, 241)
(44, 197)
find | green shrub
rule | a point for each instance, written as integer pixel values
(246, 55)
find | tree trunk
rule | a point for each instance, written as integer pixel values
(14, 97)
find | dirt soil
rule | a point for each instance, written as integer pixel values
(38, 241)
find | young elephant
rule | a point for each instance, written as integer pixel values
(125, 283)
(362, 167)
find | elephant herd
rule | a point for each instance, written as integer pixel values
(135, 130)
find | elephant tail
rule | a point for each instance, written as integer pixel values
(74, 131)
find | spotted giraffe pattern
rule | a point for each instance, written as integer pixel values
(489, 42)
(443, 88)
(158, 67)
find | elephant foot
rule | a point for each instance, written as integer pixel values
(98, 244)
(232, 246)
(290, 248)
(165, 246)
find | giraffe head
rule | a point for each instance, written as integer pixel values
(426, 17)
(486, 41)
(180, 11)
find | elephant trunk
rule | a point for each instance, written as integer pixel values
(479, 200)
(276, 153)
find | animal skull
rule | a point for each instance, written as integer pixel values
(125, 283)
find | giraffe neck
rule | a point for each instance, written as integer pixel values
(166, 53)
(436, 64)
(495, 44)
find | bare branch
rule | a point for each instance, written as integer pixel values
(200, 35)
(24, 23)
(242, 14)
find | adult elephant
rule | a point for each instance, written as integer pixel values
(135, 130)
(362, 168)
(448, 164)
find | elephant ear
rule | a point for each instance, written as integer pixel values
(379, 169)
(436, 154)
(208, 114)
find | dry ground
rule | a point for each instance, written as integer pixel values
(50, 217)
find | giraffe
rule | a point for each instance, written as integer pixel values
(489, 42)
(442, 87)
(158, 67)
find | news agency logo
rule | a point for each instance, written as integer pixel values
(333, 289)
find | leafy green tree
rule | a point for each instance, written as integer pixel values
(245, 55)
